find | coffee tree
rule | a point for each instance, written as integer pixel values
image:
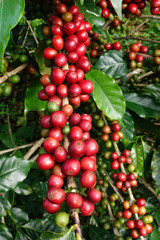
(79, 117)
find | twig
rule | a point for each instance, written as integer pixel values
(16, 148)
(145, 75)
(136, 71)
(2, 220)
(150, 16)
(33, 149)
(138, 38)
(149, 187)
(106, 25)
(30, 27)
(72, 184)
(138, 27)
(114, 188)
(13, 72)
(112, 219)
(9, 127)
(25, 38)
(34, 158)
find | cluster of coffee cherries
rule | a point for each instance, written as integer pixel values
(69, 149)
(155, 7)
(135, 57)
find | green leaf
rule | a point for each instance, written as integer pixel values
(155, 235)
(66, 235)
(13, 170)
(91, 12)
(36, 227)
(23, 189)
(144, 106)
(148, 152)
(107, 95)
(32, 102)
(4, 232)
(138, 157)
(40, 58)
(157, 216)
(156, 169)
(10, 14)
(117, 7)
(127, 127)
(4, 206)
(82, 2)
(19, 216)
(21, 236)
(100, 234)
(113, 63)
(153, 90)
(40, 188)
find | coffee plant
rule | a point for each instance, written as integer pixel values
(79, 119)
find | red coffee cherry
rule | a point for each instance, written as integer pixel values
(130, 224)
(115, 137)
(55, 181)
(76, 148)
(71, 167)
(51, 207)
(46, 121)
(87, 208)
(49, 53)
(78, 17)
(87, 179)
(50, 144)
(74, 119)
(134, 233)
(62, 90)
(114, 155)
(115, 165)
(108, 46)
(122, 177)
(141, 202)
(45, 161)
(85, 125)
(68, 28)
(148, 228)
(67, 109)
(134, 47)
(139, 223)
(73, 200)
(88, 163)
(70, 45)
(57, 76)
(93, 195)
(50, 89)
(56, 195)
(132, 8)
(56, 133)
(73, 9)
(116, 127)
(91, 147)
(143, 231)
(75, 133)
(127, 214)
(57, 42)
(60, 154)
(116, 46)
(58, 119)
(56, 30)
(86, 86)
(74, 90)
(143, 49)
(60, 60)
(105, 12)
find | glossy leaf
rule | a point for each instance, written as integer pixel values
(156, 169)
(19, 216)
(23, 189)
(107, 94)
(66, 235)
(155, 235)
(157, 216)
(40, 58)
(32, 102)
(127, 127)
(153, 90)
(40, 189)
(10, 14)
(137, 155)
(13, 170)
(21, 236)
(100, 234)
(36, 227)
(4, 206)
(117, 5)
(5, 233)
(144, 106)
(113, 63)
(91, 12)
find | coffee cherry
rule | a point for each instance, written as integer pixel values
(105, 12)
(57, 76)
(127, 214)
(93, 195)
(58, 119)
(57, 170)
(49, 53)
(130, 224)
(56, 133)
(115, 165)
(91, 147)
(141, 202)
(139, 224)
(45, 161)
(108, 46)
(50, 144)
(60, 154)
(73, 200)
(55, 181)
(134, 233)
(134, 47)
(62, 219)
(116, 46)
(148, 228)
(87, 208)
(51, 207)
(87, 179)
(57, 42)
(132, 8)
(60, 60)
(132, 56)
(88, 163)
(76, 148)
(56, 195)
